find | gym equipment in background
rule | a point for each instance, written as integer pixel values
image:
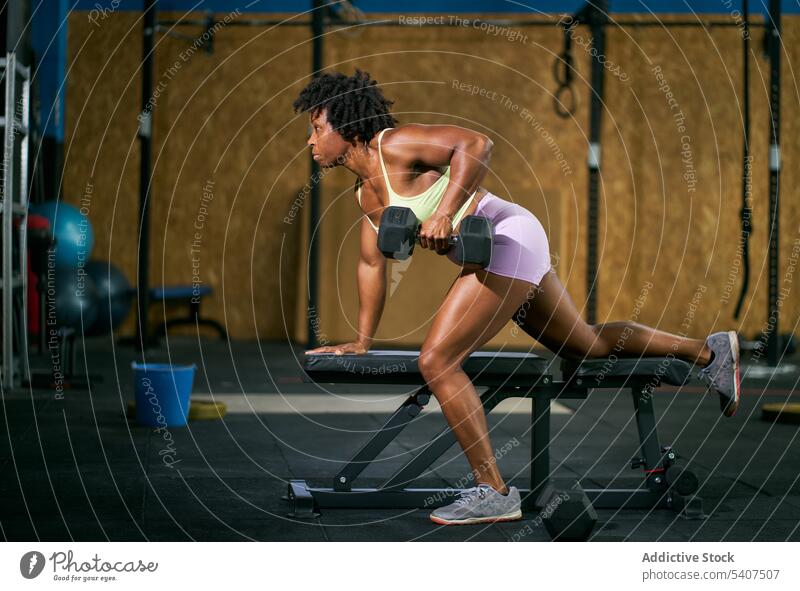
(15, 78)
(781, 412)
(162, 393)
(114, 296)
(75, 299)
(72, 230)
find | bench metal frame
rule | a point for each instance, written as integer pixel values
(654, 492)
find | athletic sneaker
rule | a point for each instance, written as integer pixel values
(722, 373)
(481, 504)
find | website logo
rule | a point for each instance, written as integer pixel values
(31, 564)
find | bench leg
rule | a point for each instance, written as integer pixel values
(401, 417)
(651, 456)
(434, 449)
(540, 448)
(306, 500)
(417, 465)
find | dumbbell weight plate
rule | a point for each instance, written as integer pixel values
(473, 244)
(397, 233)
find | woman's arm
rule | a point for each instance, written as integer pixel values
(467, 153)
(371, 278)
(371, 284)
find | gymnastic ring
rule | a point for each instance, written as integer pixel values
(564, 109)
(565, 59)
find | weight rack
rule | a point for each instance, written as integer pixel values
(14, 208)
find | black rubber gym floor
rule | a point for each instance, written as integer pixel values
(78, 469)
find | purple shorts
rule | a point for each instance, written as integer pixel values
(520, 248)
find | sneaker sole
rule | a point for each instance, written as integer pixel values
(475, 520)
(734, 341)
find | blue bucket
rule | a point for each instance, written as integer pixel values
(162, 393)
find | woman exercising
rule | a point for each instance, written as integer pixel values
(436, 170)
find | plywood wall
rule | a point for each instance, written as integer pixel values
(228, 161)
(230, 151)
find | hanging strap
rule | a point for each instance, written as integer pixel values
(746, 212)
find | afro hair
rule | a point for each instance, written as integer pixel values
(355, 104)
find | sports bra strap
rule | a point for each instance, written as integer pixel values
(358, 195)
(380, 157)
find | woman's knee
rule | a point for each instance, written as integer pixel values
(589, 343)
(434, 363)
(600, 345)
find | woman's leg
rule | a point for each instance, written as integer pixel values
(550, 317)
(478, 305)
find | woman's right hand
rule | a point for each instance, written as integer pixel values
(354, 348)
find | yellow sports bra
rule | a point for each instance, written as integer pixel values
(424, 204)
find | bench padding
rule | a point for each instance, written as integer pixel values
(599, 373)
(484, 368)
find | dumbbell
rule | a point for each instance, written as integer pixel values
(399, 233)
(567, 511)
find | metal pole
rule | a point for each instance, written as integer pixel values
(774, 47)
(146, 148)
(9, 371)
(24, 151)
(317, 30)
(746, 213)
(598, 19)
(620, 23)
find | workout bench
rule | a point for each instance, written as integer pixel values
(507, 375)
(190, 296)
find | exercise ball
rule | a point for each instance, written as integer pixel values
(75, 298)
(114, 295)
(72, 231)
